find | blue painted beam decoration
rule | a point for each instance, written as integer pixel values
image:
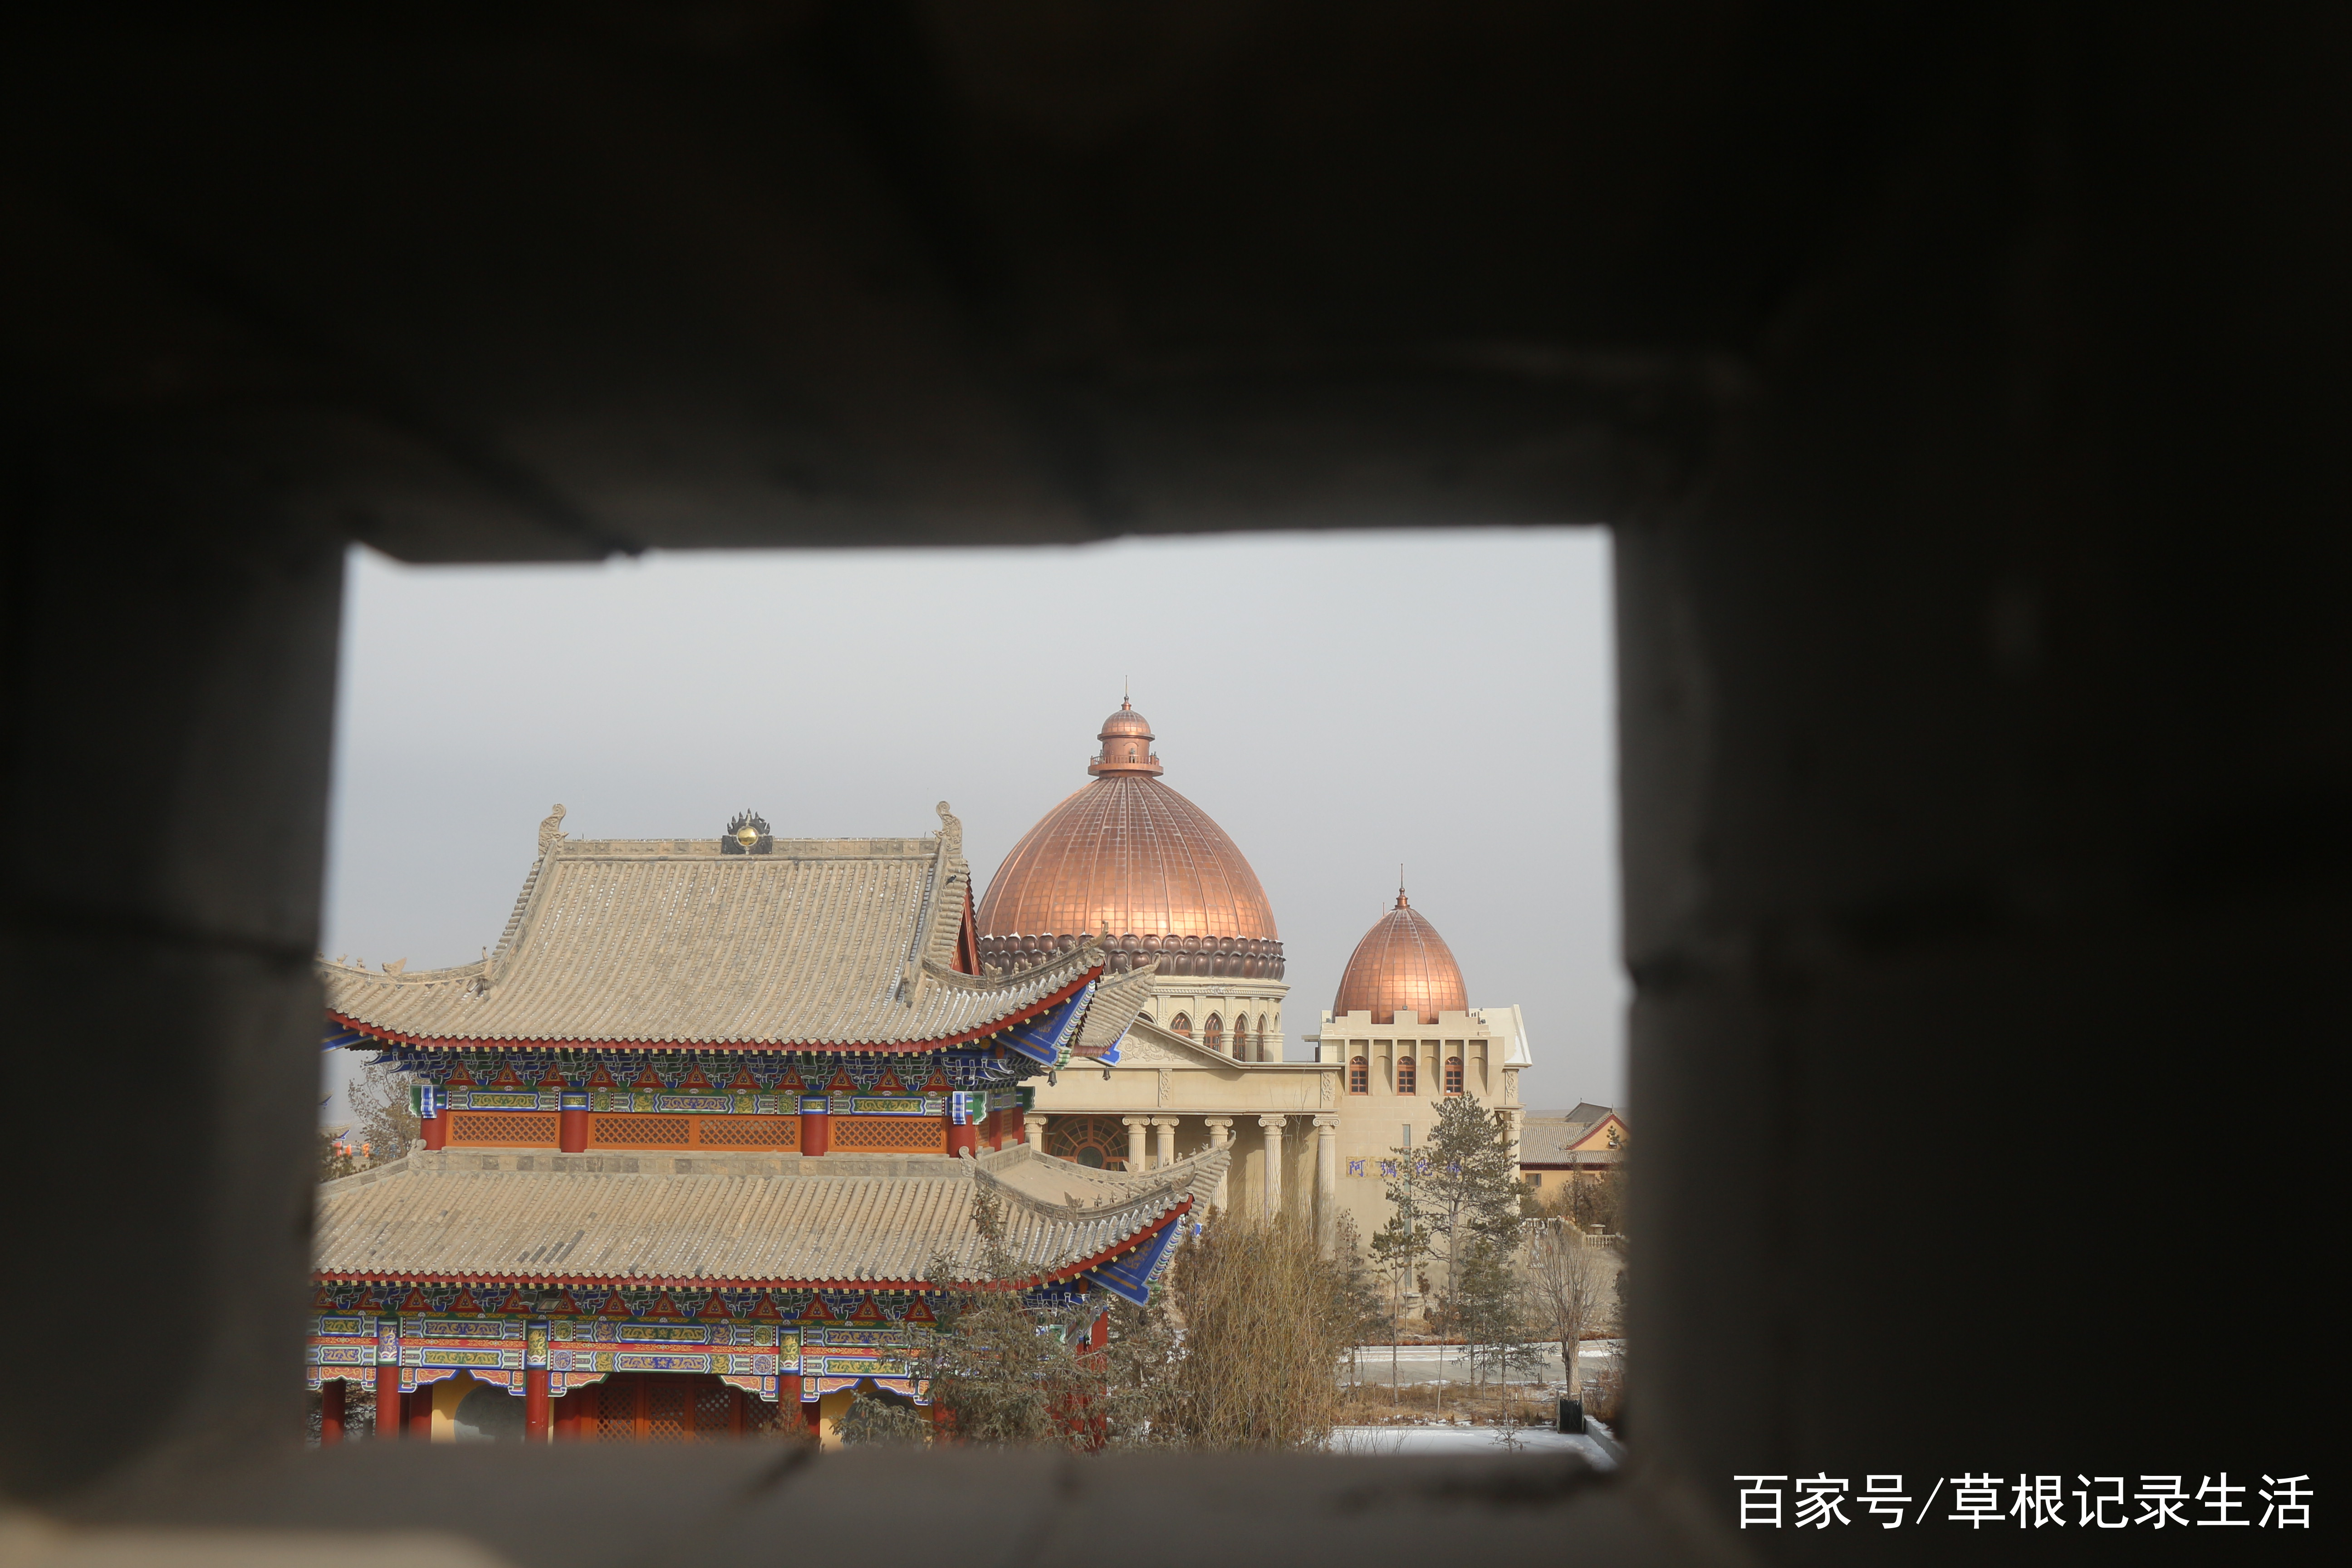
(337, 1039)
(1130, 1277)
(1047, 1038)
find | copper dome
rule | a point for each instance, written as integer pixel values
(1403, 972)
(1127, 856)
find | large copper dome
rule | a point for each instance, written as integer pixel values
(1129, 856)
(1403, 972)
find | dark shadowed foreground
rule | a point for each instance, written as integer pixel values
(1965, 389)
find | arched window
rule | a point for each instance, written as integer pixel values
(1408, 1073)
(1098, 1141)
(1214, 1037)
(1182, 1024)
(1359, 1076)
(1261, 1039)
(1454, 1075)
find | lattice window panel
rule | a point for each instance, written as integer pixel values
(747, 1131)
(902, 1134)
(616, 1410)
(639, 1132)
(503, 1128)
(669, 1409)
(714, 1411)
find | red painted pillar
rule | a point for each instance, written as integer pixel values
(387, 1402)
(816, 1124)
(1098, 1338)
(572, 1123)
(436, 1131)
(964, 1139)
(534, 1404)
(420, 1415)
(331, 1413)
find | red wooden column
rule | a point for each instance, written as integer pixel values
(534, 1404)
(816, 1124)
(331, 1413)
(387, 1380)
(571, 1121)
(1098, 1337)
(420, 1415)
(534, 1381)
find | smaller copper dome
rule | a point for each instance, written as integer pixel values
(1126, 738)
(1402, 972)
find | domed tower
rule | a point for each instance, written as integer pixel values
(1402, 972)
(1127, 858)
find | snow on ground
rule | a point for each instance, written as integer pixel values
(1465, 1440)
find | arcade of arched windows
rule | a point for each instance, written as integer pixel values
(1212, 1034)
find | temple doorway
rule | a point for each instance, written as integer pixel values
(660, 1407)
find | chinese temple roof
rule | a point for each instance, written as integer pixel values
(838, 1220)
(717, 941)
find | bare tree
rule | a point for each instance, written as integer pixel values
(1567, 1278)
(378, 1096)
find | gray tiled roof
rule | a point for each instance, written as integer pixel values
(812, 1221)
(669, 941)
(1545, 1136)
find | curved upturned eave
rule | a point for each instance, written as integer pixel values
(458, 1042)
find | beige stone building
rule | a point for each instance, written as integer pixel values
(1128, 862)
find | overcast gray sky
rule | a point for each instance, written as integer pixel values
(1339, 702)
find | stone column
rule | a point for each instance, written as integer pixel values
(1165, 1129)
(1135, 1155)
(1221, 1136)
(1032, 1129)
(1327, 1179)
(1273, 1125)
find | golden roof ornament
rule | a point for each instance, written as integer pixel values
(747, 834)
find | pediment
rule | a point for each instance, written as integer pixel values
(1150, 1045)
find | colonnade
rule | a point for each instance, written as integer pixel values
(1151, 1143)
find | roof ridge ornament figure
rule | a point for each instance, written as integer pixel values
(747, 834)
(550, 832)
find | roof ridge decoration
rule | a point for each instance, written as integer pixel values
(669, 942)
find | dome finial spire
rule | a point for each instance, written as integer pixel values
(1399, 903)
